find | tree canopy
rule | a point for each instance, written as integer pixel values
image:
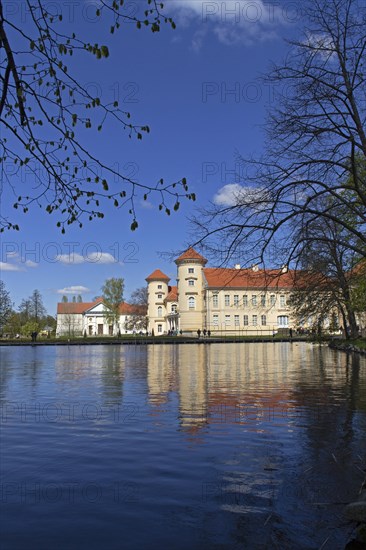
(112, 292)
(45, 108)
(6, 306)
(315, 148)
(138, 319)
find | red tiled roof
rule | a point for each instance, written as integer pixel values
(358, 269)
(172, 294)
(247, 278)
(132, 309)
(191, 254)
(76, 307)
(157, 275)
(81, 307)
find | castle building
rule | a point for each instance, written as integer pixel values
(230, 301)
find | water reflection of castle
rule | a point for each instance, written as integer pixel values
(218, 384)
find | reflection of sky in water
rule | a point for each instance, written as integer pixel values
(206, 445)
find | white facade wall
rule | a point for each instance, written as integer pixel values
(69, 324)
(247, 311)
(191, 285)
(91, 322)
(157, 310)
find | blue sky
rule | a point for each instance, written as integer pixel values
(197, 89)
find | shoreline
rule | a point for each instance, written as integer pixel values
(346, 347)
(333, 344)
(143, 341)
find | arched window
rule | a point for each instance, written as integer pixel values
(160, 311)
(191, 302)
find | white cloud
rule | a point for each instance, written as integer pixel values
(246, 22)
(29, 263)
(16, 263)
(234, 194)
(6, 266)
(322, 44)
(228, 195)
(77, 289)
(12, 254)
(91, 258)
(73, 258)
(101, 258)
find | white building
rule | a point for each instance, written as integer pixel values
(89, 318)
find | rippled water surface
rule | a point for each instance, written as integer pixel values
(250, 446)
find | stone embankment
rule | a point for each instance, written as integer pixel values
(347, 347)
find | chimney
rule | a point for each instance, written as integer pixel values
(237, 266)
(255, 267)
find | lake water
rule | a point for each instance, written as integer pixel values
(222, 446)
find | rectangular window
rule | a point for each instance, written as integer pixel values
(174, 308)
(191, 270)
(245, 300)
(254, 320)
(282, 301)
(160, 296)
(282, 321)
(160, 287)
(263, 320)
(236, 320)
(215, 320)
(254, 300)
(227, 320)
(273, 299)
(246, 320)
(191, 282)
(227, 299)
(215, 300)
(160, 328)
(263, 300)
(236, 299)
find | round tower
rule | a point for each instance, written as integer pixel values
(191, 289)
(157, 284)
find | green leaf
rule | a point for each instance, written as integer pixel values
(104, 50)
